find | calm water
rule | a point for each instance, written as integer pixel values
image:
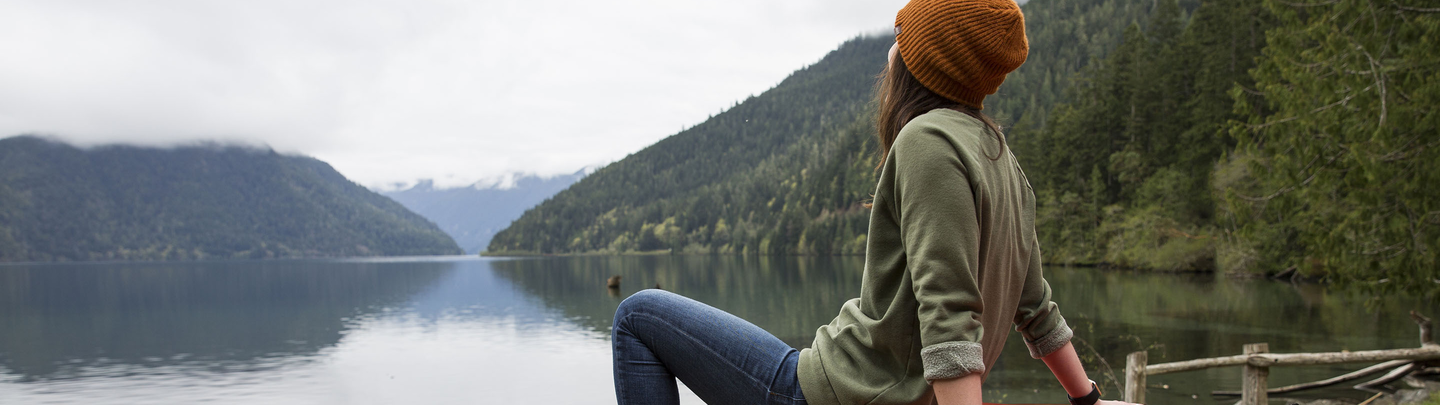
(468, 330)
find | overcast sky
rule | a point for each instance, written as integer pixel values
(395, 91)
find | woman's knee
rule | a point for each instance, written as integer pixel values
(643, 299)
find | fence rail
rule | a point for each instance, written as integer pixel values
(1257, 360)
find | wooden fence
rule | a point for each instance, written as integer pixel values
(1257, 360)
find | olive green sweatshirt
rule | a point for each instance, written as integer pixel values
(951, 262)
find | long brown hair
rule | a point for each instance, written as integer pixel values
(900, 97)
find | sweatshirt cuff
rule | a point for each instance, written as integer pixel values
(1056, 339)
(952, 359)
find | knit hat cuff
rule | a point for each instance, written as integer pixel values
(942, 84)
(957, 92)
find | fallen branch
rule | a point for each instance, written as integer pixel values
(1393, 376)
(1329, 381)
(1372, 399)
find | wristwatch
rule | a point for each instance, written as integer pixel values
(1088, 399)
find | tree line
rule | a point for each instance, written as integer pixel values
(1253, 137)
(62, 203)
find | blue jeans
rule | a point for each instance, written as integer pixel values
(659, 335)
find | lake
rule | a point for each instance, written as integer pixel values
(490, 330)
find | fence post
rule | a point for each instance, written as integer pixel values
(1252, 386)
(1135, 377)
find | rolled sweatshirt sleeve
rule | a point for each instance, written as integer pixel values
(936, 209)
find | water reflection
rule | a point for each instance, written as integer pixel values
(466, 330)
(370, 331)
(788, 296)
(1175, 317)
(58, 319)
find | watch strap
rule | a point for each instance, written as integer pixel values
(1089, 399)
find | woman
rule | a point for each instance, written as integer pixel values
(952, 259)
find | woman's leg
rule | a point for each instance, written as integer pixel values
(659, 336)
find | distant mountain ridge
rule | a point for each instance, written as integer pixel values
(63, 203)
(472, 215)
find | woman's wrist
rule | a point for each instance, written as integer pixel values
(1088, 399)
(1065, 364)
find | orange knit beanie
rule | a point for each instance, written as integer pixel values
(962, 49)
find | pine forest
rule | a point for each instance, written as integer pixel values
(1247, 137)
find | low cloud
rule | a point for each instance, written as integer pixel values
(393, 91)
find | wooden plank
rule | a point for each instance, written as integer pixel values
(1252, 384)
(1297, 359)
(1135, 372)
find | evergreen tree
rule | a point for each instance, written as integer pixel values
(1338, 154)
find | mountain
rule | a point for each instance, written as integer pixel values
(472, 215)
(1262, 137)
(786, 172)
(730, 183)
(63, 203)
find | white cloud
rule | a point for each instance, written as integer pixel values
(393, 91)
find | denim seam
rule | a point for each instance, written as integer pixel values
(783, 396)
(707, 348)
(614, 344)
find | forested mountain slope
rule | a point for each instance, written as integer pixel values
(62, 203)
(1122, 170)
(725, 184)
(785, 172)
(1065, 37)
(1229, 135)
